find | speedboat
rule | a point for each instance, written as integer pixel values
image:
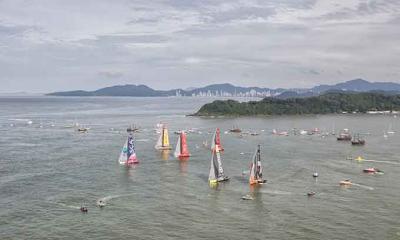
(310, 194)
(247, 197)
(84, 209)
(359, 159)
(315, 174)
(346, 182)
(372, 170)
(100, 203)
(83, 130)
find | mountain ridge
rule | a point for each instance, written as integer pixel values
(229, 90)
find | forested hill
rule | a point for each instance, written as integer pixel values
(327, 103)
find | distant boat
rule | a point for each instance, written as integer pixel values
(181, 150)
(132, 128)
(390, 131)
(159, 127)
(256, 169)
(357, 140)
(372, 170)
(216, 171)
(346, 182)
(128, 153)
(303, 132)
(344, 135)
(163, 140)
(235, 129)
(83, 129)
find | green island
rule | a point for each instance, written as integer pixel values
(332, 102)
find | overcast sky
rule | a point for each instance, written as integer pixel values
(87, 44)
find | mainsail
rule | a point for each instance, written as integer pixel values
(218, 139)
(163, 140)
(256, 168)
(131, 151)
(128, 154)
(216, 171)
(177, 152)
(181, 150)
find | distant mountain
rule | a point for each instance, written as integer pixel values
(225, 89)
(358, 85)
(229, 90)
(128, 90)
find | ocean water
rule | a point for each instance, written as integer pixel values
(48, 170)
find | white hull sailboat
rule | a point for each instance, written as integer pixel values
(163, 140)
(216, 170)
(128, 153)
(256, 169)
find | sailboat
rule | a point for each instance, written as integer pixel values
(390, 131)
(181, 150)
(163, 140)
(256, 169)
(216, 171)
(128, 154)
(217, 139)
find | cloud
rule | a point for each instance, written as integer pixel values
(54, 45)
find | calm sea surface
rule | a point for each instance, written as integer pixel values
(48, 170)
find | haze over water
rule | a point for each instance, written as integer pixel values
(48, 170)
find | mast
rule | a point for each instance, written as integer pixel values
(256, 168)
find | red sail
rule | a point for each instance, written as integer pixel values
(184, 147)
(218, 140)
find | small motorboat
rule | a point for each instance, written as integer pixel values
(83, 130)
(344, 135)
(100, 203)
(357, 140)
(359, 159)
(346, 182)
(247, 197)
(372, 170)
(315, 175)
(84, 209)
(132, 128)
(235, 129)
(310, 194)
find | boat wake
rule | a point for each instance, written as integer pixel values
(362, 186)
(69, 206)
(378, 161)
(276, 192)
(108, 198)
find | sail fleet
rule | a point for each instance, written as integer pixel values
(216, 171)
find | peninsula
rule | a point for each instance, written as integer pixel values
(331, 102)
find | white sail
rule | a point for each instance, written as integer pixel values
(159, 142)
(177, 152)
(221, 175)
(123, 157)
(212, 175)
(253, 166)
(213, 145)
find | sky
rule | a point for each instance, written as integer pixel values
(52, 45)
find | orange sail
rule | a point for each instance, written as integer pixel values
(182, 150)
(184, 147)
